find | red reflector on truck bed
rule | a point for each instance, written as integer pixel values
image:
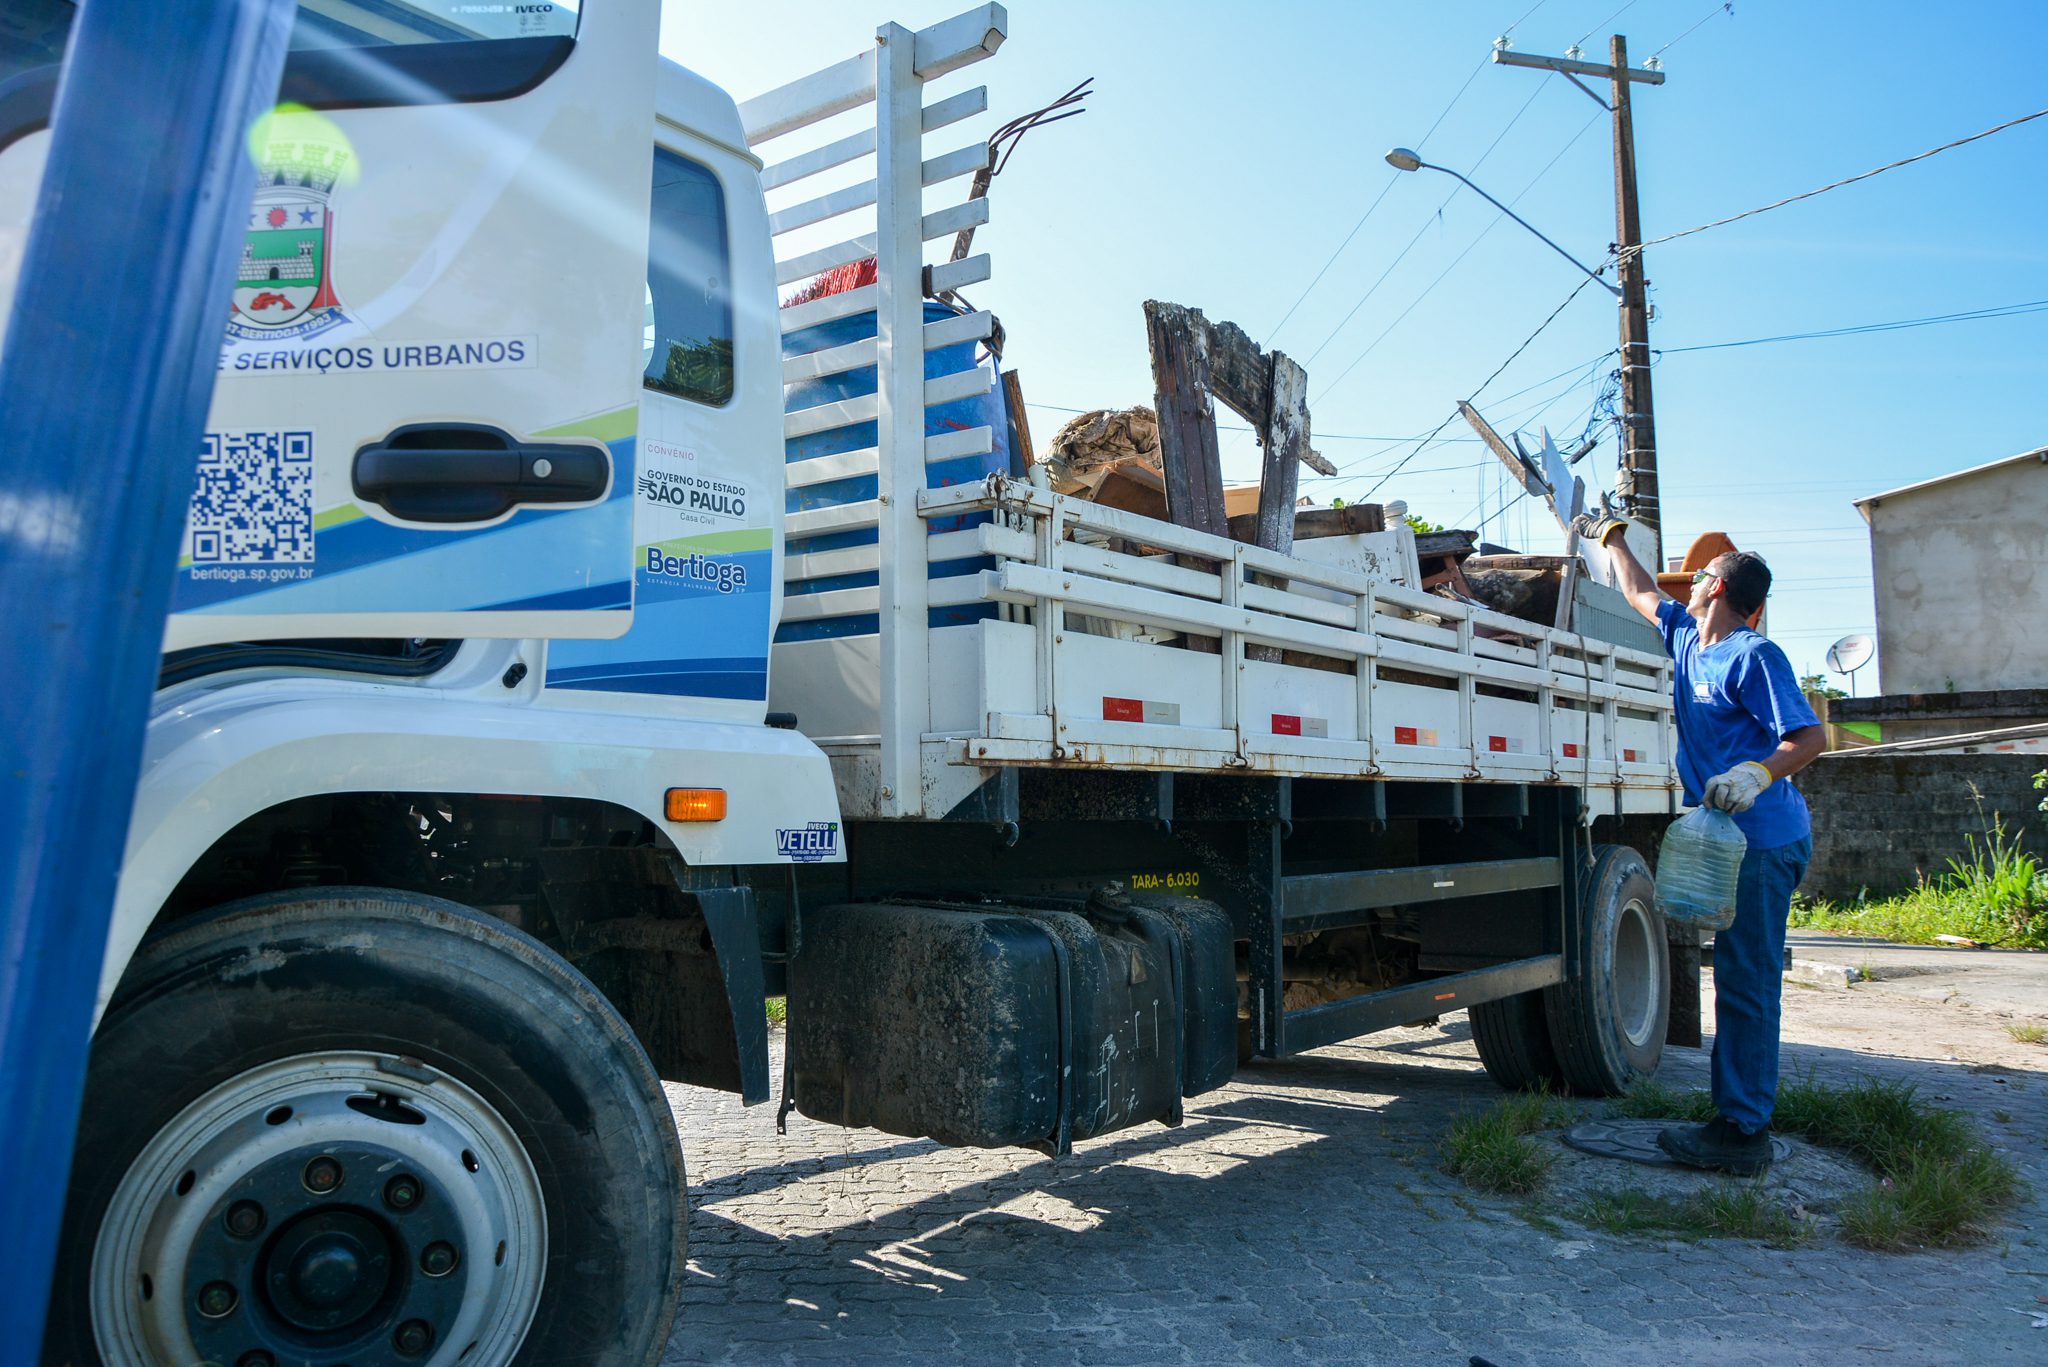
(1140, 710)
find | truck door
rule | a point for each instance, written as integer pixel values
(424, 419)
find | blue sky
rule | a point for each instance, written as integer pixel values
(1229, 149)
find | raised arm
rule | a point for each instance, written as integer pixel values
(1637, 584)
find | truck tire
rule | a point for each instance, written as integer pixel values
(1608, 1025)
(1513, 1036)
(363, 1126)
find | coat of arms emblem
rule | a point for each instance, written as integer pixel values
(284, 286)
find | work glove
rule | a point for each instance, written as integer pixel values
(1737, 790)
(1603, 524)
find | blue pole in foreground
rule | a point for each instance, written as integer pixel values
(105, 377)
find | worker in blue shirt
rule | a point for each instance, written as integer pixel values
(1743, 728)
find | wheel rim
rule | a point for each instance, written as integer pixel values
(1636, 983)
(334, 1207)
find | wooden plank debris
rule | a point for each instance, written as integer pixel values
(1524, 472)
(1286, 436)
(1181, 381)
(1268, 389)
(1021, 455)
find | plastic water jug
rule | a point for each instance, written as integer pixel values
(1698, 867)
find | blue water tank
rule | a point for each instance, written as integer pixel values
(979, 410)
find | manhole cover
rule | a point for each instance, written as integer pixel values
(1636, 1141)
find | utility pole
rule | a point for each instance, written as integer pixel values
(1637, 481)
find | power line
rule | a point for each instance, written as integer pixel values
(1431, 470)
(1836, 185)
(1310, 287)
(1495, 222)
(1374, 287)
(1350, 471)
(1483, 383)
(1396, 442)
(1437, 217)
(1605, 22)
(1223, 427)
(1899, 325)
(1727, 7)
(1385, 190)
(1568, 370)
(1388, 187)
(1525, 15)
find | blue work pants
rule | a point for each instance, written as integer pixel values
(1749, 967)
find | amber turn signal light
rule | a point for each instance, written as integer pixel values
(696, 804)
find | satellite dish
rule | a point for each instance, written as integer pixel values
(1851, 653)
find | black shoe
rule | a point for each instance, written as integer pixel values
(1718, 1146)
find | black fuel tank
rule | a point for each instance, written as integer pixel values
(1029, 1024)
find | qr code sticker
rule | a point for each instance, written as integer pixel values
(254, 501)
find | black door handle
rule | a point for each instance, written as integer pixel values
(472, 472)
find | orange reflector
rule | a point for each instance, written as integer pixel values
(696, 804)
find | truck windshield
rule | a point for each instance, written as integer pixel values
(366, 23)
(33, 32)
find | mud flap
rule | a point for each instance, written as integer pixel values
(682, 964)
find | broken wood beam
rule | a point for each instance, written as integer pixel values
(1182, 384)
(1518, 465)
(1284, 429)
(1238, 373)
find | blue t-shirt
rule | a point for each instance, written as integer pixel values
(1736, 699)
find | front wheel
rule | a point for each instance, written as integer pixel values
(366, 1127)
(1608, 1024)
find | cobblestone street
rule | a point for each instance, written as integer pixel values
(1298, 1217)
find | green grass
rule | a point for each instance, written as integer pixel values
(1649, 1099)
(1938, 1185)
(1996, 893)
(2028, 1032)
(778, 1010)
(1920, 917)
(1725, 1210)
(1491, 1150)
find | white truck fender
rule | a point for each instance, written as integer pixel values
(214, 760)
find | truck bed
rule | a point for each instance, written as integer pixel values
(1360, 677)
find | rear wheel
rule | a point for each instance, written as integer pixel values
(1513, 1037)
(366, 1127)
(1608, 1024)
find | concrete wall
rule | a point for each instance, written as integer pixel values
(1961, 577)
(1922, 716)
(1880, 821)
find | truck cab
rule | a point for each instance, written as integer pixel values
(378, 1057)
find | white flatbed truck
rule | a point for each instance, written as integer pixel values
(525, 723)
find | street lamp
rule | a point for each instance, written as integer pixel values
(1401, 159)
